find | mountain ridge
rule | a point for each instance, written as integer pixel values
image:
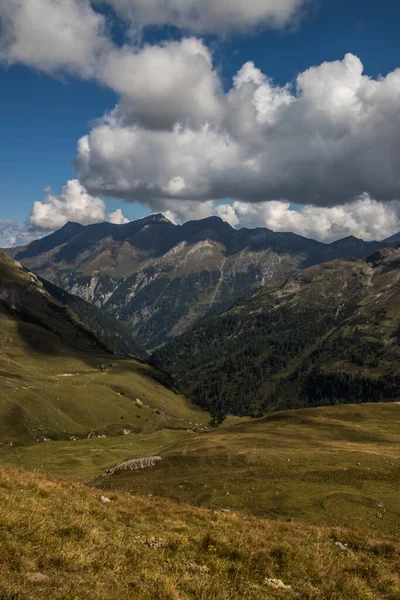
(159, 278)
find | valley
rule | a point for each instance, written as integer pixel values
(199, 300)
(208, 483)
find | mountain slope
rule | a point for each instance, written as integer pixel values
(153, 549)
(51, 383)
(159, 278)
(117, 338)
(329, 334)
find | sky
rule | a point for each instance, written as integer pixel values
(276, 113)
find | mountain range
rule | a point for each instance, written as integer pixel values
(329, 334)
(159, 278)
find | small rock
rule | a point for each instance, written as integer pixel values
(380, 505)
(104, 499)
(225, 510)
(155, 543)
(359, 464)
(288, 460)
(341, 546)
(379, 515)
(37, 578)
(277, 584)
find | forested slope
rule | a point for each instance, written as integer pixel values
(329, 334)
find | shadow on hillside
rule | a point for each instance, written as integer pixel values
(54, 334)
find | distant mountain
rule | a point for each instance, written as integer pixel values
(394, 239)
(329, 334)
(58, 376)
(159, 278)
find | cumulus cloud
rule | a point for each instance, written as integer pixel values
(70, 36)
(366, 218)
(73, 204)
(53, 35)
(178, 142)
(165, 84)
(176, 134)
(332, 138)
(210, 16)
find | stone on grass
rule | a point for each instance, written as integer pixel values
(341, 546)
(276, 584)
(38, 578)
(104, 499)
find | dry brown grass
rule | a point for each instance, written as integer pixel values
(153, 549)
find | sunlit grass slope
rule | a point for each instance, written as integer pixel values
(83, 460)
(325, 466)
(153, 549)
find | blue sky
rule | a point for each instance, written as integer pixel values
(43, 115)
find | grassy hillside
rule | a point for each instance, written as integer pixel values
(153, 549)
(325, 466)
(57, 380)
(327, 335)
(298, 465)
(83, 460)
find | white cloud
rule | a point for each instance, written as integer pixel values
(210, 16)
(7, 233)
(366, 218)
(117, 217)
(162, 85)
(328, 142)
(53, 35)
(70, 36)
(11, 234)
(73, 204)
(176, 140)
(176, 134)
